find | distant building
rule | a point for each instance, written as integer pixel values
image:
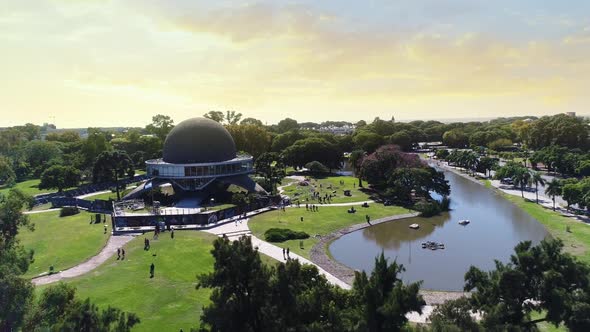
(572, 114)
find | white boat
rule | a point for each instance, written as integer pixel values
(464, 222)
(414, 226)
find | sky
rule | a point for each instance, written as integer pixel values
(81, 63)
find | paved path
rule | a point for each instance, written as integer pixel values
(109, 250)
(41, 211)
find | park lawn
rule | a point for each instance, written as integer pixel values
(61, 242)
(576, 242)
(323, 222)
(29, 187)
(303, 193)
(169, 301)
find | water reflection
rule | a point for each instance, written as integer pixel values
(496, 227)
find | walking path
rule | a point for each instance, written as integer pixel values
(107, 251)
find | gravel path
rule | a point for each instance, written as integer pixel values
(107, 251)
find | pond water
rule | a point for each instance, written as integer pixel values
(496, 227)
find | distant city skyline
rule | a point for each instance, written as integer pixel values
(118, 63)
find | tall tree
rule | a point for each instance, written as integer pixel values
(382, 299)
(161, 125)
(112, 166)
(553, 189)
(15, 292)
(240, 283)
(355, 161)
(287, 124)
(216, 116)
(7, 175)
(271, 166)
(251, 121)
(59, 177)
(232, 117)
(537, 179)
(537, 278)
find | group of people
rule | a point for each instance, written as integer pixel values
(120, 254)
(311, 207)
(286, 254)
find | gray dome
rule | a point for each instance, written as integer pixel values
(198, 140)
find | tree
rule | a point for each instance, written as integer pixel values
(232, 117)
(553, 189)
(216, 116)
(270, 165)
(251, 121)
(240, 287)
(453, 315)
(521, 178)
(112, 166)
(7, 175)
(161, 125)
(355, 160)
(402, 139)
(58, 309)
(15, 292)
(486, 164)
(39, 153)
(316, 167)
(313, 149)
(455, 138)
(537, 179)
(59, 177)
(252, 139)
(367, 141)
(286, 125)
(537, 278)
(382, 299)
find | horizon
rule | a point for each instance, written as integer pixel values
(73, 63)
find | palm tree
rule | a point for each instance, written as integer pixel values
(521, 178)
(537, 179)
(553, 189)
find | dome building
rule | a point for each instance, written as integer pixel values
(197, 153)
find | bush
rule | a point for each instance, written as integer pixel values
(283, 234)
(432, 208)
(316, 167)
(68, 211)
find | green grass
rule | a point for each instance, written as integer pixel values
(61, 242)
(169, 301)
(29, 187)
(576, 242)
(303, 193)
(546, 326)
(327, 220)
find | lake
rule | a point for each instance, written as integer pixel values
(496, 227)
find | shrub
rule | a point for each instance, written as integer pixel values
(427, 209)
(68, 211)
(316, 167)
(283, 234)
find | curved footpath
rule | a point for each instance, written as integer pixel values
(107, 251)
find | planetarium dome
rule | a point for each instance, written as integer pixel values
(198, 140)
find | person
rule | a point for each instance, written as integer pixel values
(283, 253)
(118, 253)
(172, 233)
(152, 270)
(105, 228)
(122, 253)
(301, 218)
(288, 253)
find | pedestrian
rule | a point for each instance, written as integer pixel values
(148, 244)
(307, 207)
(152, 270)
(283, 253)
(301, 244)
(288, 253)
(302, 219)
(172, 234)
(105, 228)
(123, 254)
(118, 253)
